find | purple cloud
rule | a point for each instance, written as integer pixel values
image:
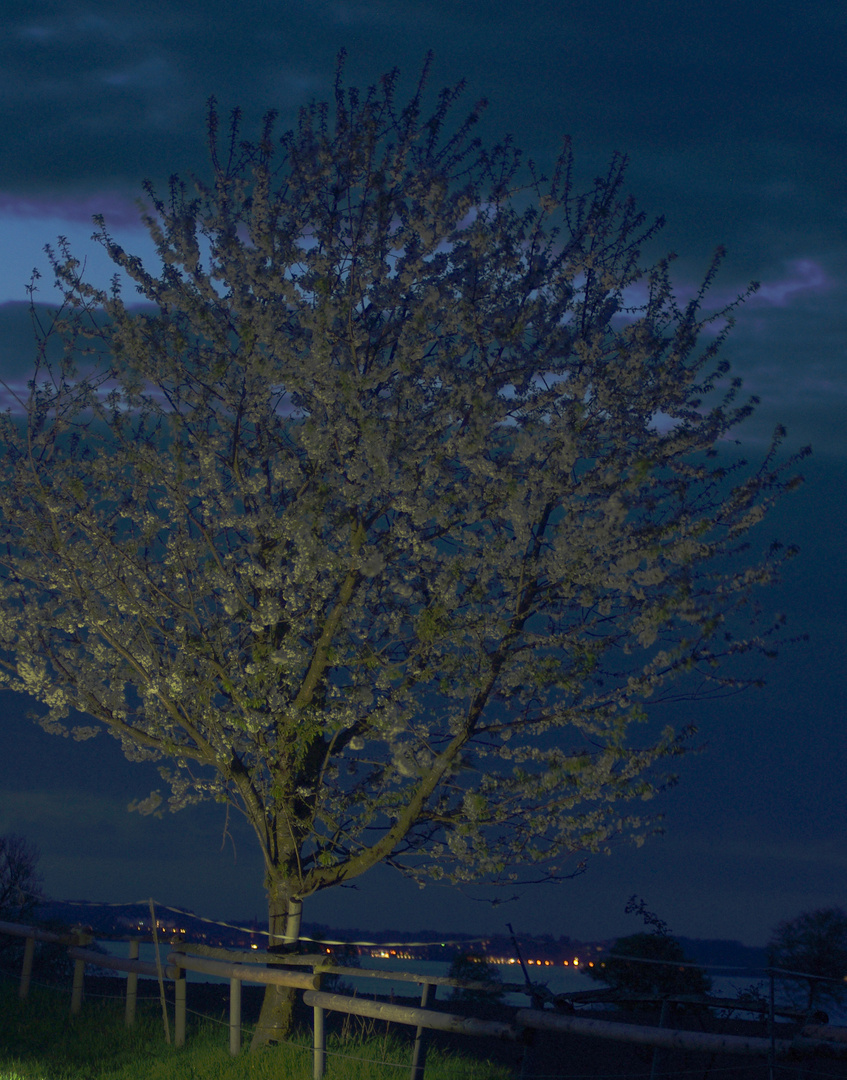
(119, 210)
(801, 276)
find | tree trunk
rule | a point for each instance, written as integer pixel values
(275, 1019)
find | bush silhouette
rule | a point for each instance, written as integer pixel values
(666, 976)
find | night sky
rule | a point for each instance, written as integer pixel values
(733, 116)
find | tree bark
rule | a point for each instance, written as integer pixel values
(276, 1017)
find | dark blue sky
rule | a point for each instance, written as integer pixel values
(733, 117)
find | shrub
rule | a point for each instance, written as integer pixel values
(666, 976)
(474, 967)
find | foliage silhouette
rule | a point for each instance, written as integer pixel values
(664, 974)
(475, 967)
(815, 944)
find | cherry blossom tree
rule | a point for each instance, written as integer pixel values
(393, 509)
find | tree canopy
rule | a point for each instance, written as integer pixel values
(658, 969)
(20, 881)
(811, 951)
(474, 967)
(393, 508)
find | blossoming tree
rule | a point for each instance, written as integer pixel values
(384, 518)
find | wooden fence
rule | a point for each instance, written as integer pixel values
(286, 970)
(75, 940)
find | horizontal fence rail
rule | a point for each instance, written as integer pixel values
(37, 934)
(244, 972)
(408, 1014)
(118, 963)
(667, 1038)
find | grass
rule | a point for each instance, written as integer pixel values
(39, 1040)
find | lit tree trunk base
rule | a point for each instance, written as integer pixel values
(284, 912)
(276, 1017)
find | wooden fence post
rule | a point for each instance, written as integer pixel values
(319, 1043)
(26, 970)
(421, 1033)
(79, 936)
(234, 1016)
(76, 993)
(179, 1007)
(771, 1027)
(657, 1050)
(131, 986)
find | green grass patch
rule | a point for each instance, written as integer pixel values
(39, 1040)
